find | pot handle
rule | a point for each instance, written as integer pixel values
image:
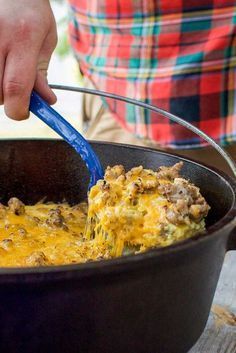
(168, 115)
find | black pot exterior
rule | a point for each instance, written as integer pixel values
(232, 238)
(157, 302)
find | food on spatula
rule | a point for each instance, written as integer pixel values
(141, 209)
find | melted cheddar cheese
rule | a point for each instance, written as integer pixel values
(127, 213)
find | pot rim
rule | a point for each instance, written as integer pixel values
(227, 223)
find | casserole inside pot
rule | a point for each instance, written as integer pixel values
(129, 212)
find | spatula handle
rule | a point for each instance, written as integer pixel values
(54, 120)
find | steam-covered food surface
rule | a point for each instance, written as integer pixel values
(127, 212)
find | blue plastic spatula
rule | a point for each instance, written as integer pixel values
(54, 120)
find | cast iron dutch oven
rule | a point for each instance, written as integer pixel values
(155, 302)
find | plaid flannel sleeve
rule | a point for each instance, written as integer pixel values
(178, 55)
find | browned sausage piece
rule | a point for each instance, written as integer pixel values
(16, 206)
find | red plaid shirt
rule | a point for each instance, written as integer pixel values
(179, 55)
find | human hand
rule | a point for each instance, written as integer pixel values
(27, 39)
